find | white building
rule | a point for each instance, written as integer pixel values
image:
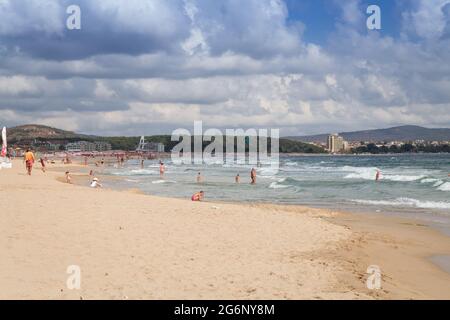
(85, 146)
(336, 143)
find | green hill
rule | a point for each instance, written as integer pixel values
(28, 133)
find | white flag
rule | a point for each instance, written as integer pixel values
(4, 144)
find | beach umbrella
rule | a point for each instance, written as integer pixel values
(4, 144)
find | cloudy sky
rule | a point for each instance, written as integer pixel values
(150, 66)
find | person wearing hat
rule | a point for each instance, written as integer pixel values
(95, 183)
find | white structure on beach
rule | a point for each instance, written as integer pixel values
(149, 146)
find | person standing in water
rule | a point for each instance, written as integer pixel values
(253, 176)
(29, 161)
(161, 169)
(142, 163)
(377, 175)
(237, 179)
(199, 177)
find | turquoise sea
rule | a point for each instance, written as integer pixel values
(415, 185)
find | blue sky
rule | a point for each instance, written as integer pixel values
(151, 66)
(321, 16)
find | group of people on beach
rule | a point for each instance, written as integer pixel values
(95, 183)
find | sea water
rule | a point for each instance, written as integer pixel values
(415, 185)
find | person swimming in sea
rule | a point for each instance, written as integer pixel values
(377, 175)
(253, 176)
(161, 169)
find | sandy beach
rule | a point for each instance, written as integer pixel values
(134, 246)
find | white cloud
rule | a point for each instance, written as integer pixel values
(428, 20)
(234, 64)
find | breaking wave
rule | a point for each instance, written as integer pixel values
(407, 202)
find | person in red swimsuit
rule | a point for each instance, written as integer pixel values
(198, 196)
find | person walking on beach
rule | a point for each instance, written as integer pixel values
(29, 161)
(42, 161)
(237, 179)
(253, 176)
(199, 177)
(198, 196)
(161, 169)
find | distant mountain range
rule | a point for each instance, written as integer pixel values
(401, 133)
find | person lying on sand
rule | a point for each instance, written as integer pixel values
(95, 183)
(198, 196)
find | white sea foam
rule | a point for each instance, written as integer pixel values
(369, 173)
(444, 187)
(438, 183)
(407, 202)
(268, 172)
(276, 185)
(429, 180)
(397, 177)
(134, 172)
(366, 173)
(163, 181)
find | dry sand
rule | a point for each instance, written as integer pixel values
(134, 246)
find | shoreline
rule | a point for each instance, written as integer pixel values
(299, 252)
